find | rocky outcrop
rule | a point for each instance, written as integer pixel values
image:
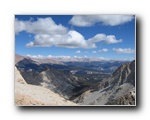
(55, 80)
(125, 74)
(127, 99)
(119, 89)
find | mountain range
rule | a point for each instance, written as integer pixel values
(78, 81)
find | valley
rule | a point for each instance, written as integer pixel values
(84, 81)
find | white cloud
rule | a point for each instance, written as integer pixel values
(102, 58)
(30, 44)
(112, 39)
(47, 33)
(49, 56)
(94, 52)
(78, 51)
(19, 26)
(66, 58)
(103, 50)
(72, 39)
(36, 56)
(41, 26)
(108, 39)
(123, 50)
(89, 20)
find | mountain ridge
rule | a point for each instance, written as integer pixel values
(114, 90)
(87, 88)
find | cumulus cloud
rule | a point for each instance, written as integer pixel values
(89, 20)
(78, 51)
(30, 44)
(47, 33)
(41, 26)
(72, 39)
(108, 39)
(123, 50)
(103, 50)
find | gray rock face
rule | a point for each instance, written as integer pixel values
(29, 95)
(125, 74)
(119, 89)
(126, 99)
(54, 80)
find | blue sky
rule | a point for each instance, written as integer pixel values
(106, 36)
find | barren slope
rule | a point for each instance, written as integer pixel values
(18, 58)
(35, 95)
